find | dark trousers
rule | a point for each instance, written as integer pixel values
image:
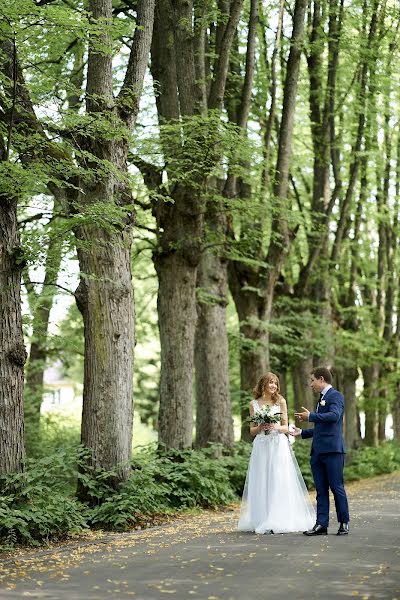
(327, 470)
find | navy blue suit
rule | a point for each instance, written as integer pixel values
(327, 456)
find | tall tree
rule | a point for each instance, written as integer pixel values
(105, 294)
(253, 287)
(12, 349)
(190, 82)
(213, 417)
(100, 204)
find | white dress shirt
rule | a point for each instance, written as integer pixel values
(326, 388)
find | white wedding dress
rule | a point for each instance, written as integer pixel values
(275, 496)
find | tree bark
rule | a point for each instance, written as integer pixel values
(12, 349)
(254, 358)
(371, 377)
(106, 302)
(349, 377)
(214, 421)
(177, 324)
(396, 414)
(302, 392)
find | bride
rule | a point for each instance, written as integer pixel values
(275, 498)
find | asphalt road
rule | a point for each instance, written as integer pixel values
(203, 557)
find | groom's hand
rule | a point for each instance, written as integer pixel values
(294, 431)
(302, 416)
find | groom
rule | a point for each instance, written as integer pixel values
(327, 451)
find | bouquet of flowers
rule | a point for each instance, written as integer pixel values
(264, 416)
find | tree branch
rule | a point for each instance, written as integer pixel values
(129, 95)
(52, 284)
(217, 90)
(152, 174)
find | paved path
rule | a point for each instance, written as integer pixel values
(204, 558)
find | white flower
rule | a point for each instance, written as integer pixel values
(323, 402)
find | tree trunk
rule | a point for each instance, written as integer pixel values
(42, 305)
(105, 293)
(253, 364)
(396, 414)
(214, 416)
(348, 388)
(371, 375)
(177, 324)
(34, 390)
(283, 376)
(382, 414)
(105, 300)
(181, 71)
(302, 392)
(12, 349)
(255, 307)
(254, 359)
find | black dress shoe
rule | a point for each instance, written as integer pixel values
(317, 530)
(343, 529)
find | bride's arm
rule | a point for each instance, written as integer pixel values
(254, 429)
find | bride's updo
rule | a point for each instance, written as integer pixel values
(261, 387)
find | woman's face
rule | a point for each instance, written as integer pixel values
(271, 386)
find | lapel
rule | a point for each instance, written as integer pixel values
(328, 392)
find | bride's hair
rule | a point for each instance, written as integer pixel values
(261, 386)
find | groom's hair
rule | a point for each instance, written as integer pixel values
(319, 372)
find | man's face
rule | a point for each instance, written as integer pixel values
(317, 385)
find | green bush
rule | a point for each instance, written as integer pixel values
(360, 463)
(165, 482)
(368, 462)
(57, 432)
(38, 504)
(138, 497)
(195, 477)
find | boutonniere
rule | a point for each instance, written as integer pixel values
(322, 402)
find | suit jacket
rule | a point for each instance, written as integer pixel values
(327, 433)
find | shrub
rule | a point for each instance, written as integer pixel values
(57, 432)
(38, 504)
(165, 482)
(368, 462)
(138, 497)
